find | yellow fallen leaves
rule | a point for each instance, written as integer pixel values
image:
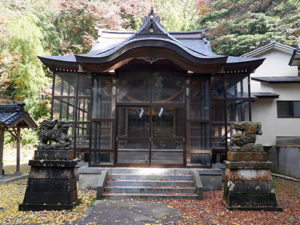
(11, 195)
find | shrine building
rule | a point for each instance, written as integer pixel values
(151, 98)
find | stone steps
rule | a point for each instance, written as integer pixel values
(149, 183)
(150, 177)
(148, 189)
(150, 171)
(148, 196)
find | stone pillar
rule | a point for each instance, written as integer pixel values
(52, 181)
(248, 177)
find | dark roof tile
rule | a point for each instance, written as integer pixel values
(10, 113)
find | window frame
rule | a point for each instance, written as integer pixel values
(292, 116)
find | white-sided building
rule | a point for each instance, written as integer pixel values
(275, 88)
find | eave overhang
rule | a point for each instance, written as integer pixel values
(295, 59)
(278, 79)
(263, 95)
(13, 115)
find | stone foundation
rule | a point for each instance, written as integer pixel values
(248, 186)
(51, 183)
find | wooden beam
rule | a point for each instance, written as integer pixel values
(13, 133)
(1, 149)
(18, 150)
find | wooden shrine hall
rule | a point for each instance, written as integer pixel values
(13, 118)
(151, 98)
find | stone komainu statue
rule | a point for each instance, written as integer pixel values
(54, 135)
(245, 141)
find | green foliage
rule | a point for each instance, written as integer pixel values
(236, 27)
(177, 15)
(23, 79)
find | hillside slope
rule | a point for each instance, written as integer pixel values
(239, 26)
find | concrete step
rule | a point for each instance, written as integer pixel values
(112, 195)
(150, 177)
(150, 171)
(113, 182)
(147, 189)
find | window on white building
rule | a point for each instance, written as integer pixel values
(288, 109)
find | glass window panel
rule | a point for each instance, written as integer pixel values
(56, 109)
(82, 135)
(288, 108)
(199, 136)
(133, 152)
(65, 84)
(83, 108)
(170, 145)
(71, 132)
(102, 158)
(133, 122)
(218, 111)
(102, 99)
(58, 85)
(230, 132)
(296, 108)
(217, 86)
(167, 87)
(133, 87)
(236, 86)
(167, 122)
(85, 84)
(218, 137)
(284, 109)
(102, 135)
(64, 109)
(199, 98)
(237, 111)
(167, 152)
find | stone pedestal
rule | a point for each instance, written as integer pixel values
(52, 182)
(248, 182)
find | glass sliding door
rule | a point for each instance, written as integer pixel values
(167, 142)
(133, 135)
(150, 117)
(150, 135)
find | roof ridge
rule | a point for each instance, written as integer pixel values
(271, 45)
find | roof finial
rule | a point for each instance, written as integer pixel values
(151, 14)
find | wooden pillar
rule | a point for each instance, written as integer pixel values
(18, 150)
(1, 149)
